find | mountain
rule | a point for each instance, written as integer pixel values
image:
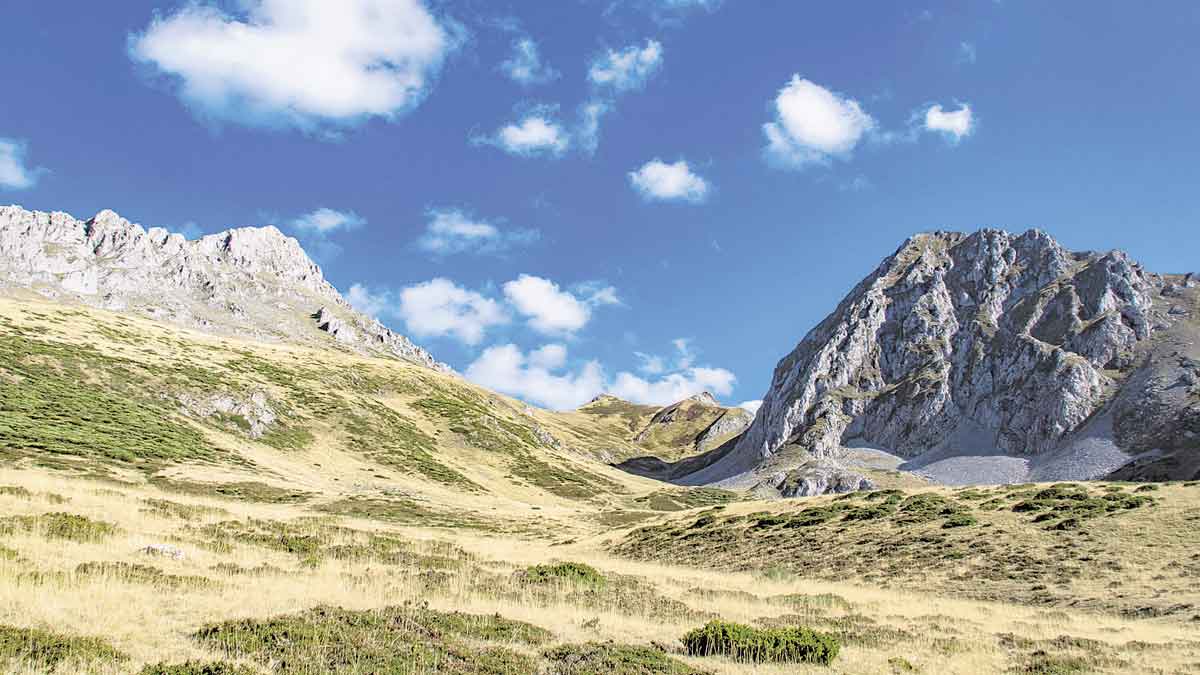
(252, 282)
(984, 358)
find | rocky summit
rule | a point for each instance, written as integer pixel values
(253, 282)
(984, 358)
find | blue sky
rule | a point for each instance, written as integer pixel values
(644, 196)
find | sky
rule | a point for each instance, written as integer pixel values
(650, 198)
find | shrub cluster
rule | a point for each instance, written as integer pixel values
(761, 645)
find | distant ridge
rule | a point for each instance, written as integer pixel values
(253, 282)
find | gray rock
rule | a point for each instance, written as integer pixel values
(163, 551)
(1006, 342)
(817, 477)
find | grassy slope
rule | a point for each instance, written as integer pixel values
(286, 584)
(102, 394)
(381, 483)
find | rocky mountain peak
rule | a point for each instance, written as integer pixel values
(703, 398)
(251, 281)
(989, 341)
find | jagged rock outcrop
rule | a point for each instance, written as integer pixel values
(816, 477)
(987, 344)
(251, 281)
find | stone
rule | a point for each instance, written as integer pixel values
(163, 551)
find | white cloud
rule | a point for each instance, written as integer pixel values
(14, 174)
(651, 364)
(657, 180)
(536, 134)
(685, 356)
(752, 406)
(505, 369)
(813, 124)
(439, 308)
(372, 303)
(539, 377)
(525, 66)
(550, 357)
(551, 310)
(673, 387)
(452, 231)
(627, 69)
(954, 125)
(300, 63)
(323, 221)
(587, 132)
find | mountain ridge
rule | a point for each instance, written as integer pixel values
(984, 344)
(251, 281)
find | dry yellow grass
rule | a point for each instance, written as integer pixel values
(152, 623)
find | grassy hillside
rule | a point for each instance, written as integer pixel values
(340, 514)
(99, 394)
(1128, 548)
(290, 588)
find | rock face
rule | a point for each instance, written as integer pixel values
(253, 282)
(987, 345)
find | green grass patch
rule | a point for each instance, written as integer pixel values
(45, 651)
(59, 525)
(143, 574)
(389, 640)
(248, 491)
(565, 572)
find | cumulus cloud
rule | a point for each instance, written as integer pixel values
(954, 125)
(506, 369)
(550, 310)
(525, 66)
(658, 181)
(650, 364)
(324, 221)
(441, 308)
(626, 69)
(452, 231)
(541, 377)
(378, 304)
(672, 387)
(14, 173)
(813, 125)
(301, 63)
(537, 134)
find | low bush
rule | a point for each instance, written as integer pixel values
(59, 525)
(761, 645)
(569, 572)
(43, 651)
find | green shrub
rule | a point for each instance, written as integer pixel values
(46, 651)
(761, 645)
(570, 572)
(15, 491)
(960, 520)
(389, 640)
(595, 658)
(59, 525)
